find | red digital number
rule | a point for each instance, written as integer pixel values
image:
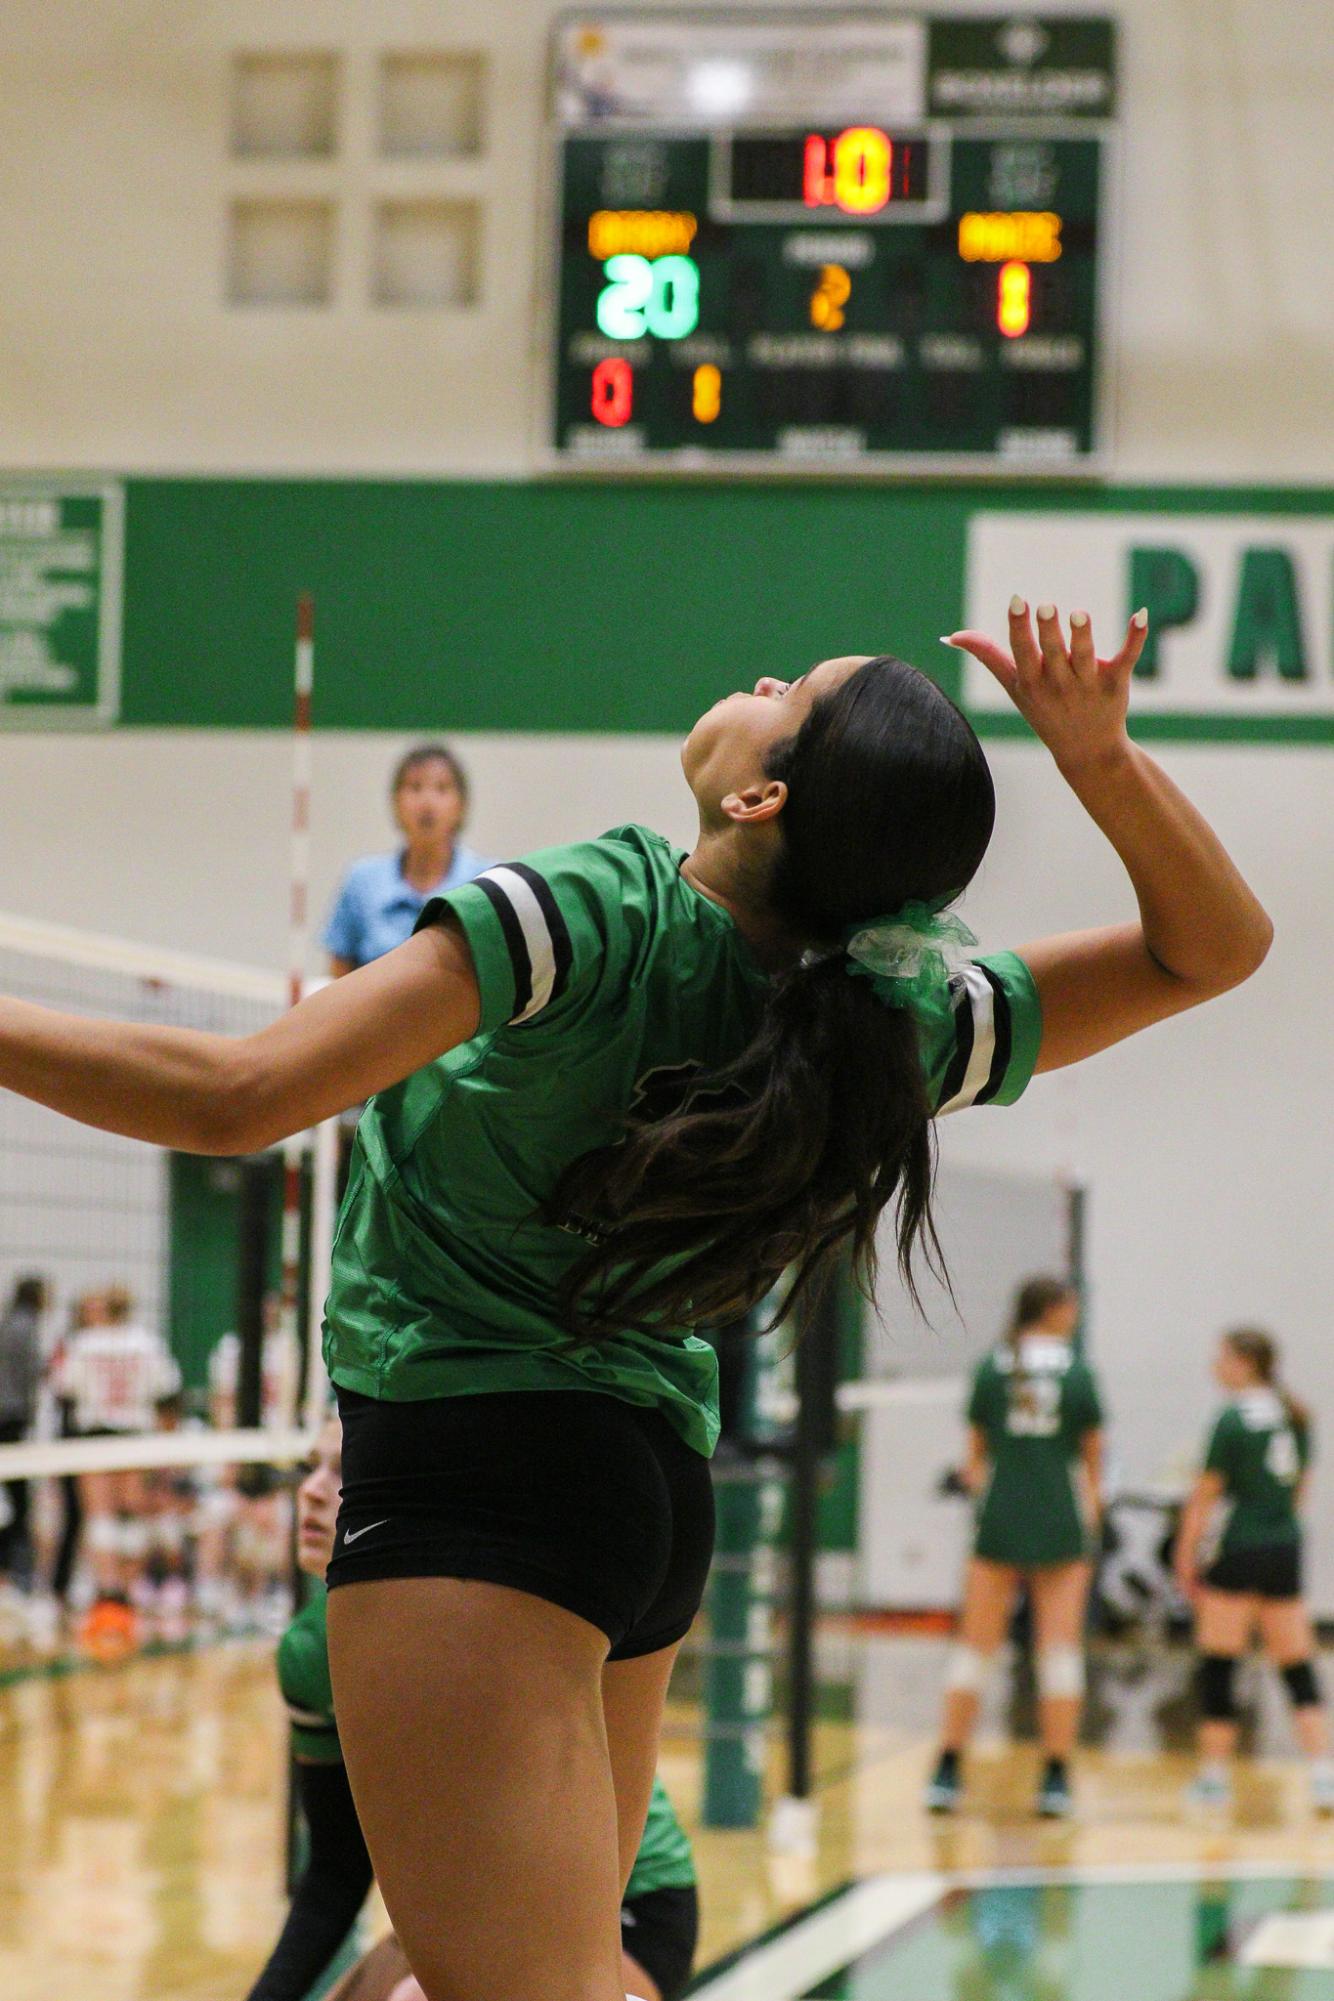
(613, 391)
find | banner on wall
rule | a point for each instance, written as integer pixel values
(61, 562)
(1241, 607)
(613, 609)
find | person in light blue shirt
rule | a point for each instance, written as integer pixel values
(381, 896)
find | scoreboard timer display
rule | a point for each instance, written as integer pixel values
(824, 241)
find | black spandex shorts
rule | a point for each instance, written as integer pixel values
(1271, 1570)
(660, 1931)
(573, 1496)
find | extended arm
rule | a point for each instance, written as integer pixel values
(977, 1462)
(1090, 1456)
(1204, 1498)
(1201, 929)
(216, 1094)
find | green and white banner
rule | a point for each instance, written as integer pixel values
(61, 552)
(1241, 606)
(623, 608)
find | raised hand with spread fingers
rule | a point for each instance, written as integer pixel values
(1201, 928)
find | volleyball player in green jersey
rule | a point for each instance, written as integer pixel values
(660, 1911)
(1255, 1472)
(619, 1090)
(1035, 1465)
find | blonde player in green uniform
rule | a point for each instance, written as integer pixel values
(660, 1912)
(1255, 1473)
(1035, 1465)
(619, 1089)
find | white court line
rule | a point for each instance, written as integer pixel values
(871, 1913)
(787, 1967)
(1291, 1939)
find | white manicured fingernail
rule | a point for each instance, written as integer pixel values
(1017, 607)
(1046, 611)
(1141, 617)
(1078, 620)
(946, 639)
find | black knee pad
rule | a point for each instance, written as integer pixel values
(1302, 1685)
(1218, 1688)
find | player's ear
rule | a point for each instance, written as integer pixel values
(754, 804)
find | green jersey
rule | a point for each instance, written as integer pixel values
(607, 984)
(664, 1861)
(1035, 1402)
(303, 1677)
(1260, 1455)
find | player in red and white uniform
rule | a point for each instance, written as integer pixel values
(243, 1537)
(113, 1374)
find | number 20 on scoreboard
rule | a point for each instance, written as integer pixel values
(747, 284)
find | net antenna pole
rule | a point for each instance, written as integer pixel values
(794, 1819)
(323, 1215)
(294, 1148)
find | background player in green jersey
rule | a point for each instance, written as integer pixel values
(1035, 1466)
(619, 1090)
(660, 1911)
(1254, 1476)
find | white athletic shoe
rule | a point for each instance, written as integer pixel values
(1322, 1787)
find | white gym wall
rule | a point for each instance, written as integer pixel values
(1205, 1143)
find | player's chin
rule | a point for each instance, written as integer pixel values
(695, 746)
(710, 726)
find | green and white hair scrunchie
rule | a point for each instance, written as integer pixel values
(910, 956)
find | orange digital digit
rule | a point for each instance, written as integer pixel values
(829, 298)
(1014, 299)
(863, 164)
(707, 393)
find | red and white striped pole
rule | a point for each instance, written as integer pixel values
(298, 941)
(299, 907)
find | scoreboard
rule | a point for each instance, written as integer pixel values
(800, 241)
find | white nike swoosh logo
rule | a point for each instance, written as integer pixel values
(350, 1535)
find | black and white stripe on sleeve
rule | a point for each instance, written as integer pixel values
(535, 932)
(982, 1040)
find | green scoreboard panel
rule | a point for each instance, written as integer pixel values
(819, 242)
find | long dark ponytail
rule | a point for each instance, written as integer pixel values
(804, 1138)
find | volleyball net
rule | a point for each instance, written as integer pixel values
(158, 1377)
(179, 1381)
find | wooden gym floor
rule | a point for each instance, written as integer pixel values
(141, 1812)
